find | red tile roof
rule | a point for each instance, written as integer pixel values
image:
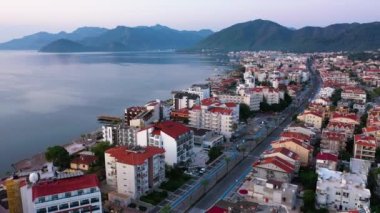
(230, 104)
(84, 159)
(279, 162)
(327, 156)
(52, 187)
(332, 135)
(351, 116)
(296, 135)
(171, 128)
(217, 209)
(283, 151)
(295, 141)
(364, 140)
(210, 101)
(220, 110)
(123, 155)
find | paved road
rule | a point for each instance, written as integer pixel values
(218, 191)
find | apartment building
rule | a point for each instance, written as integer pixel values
(70, 194)
(176, 138)
(326, 160)
(333, 141)
(274, 168)
(354, 94)
(312, 118)
(303, 149)
(365, 147)
(202, 90)
(134, 171)
(341, 191)
(285, 154)
(184, 100)
(215, 115)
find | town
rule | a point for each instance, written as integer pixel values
(281, 132)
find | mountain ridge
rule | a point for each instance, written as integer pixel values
(267, 35)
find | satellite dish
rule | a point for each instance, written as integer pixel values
(34, 177)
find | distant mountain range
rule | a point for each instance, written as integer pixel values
(253, 35)
(267, 35)
(118, 39)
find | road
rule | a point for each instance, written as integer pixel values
(219, 190)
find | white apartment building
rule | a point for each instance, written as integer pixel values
(176, 138)
(184, 100)
(202, 90)
(214, 115)
(354, 93)
(252, 100)
(341, 191)
(71, 194)
(326, 92)
(136, 170)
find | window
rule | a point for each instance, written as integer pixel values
(346, 194)
(92, 190)
(94, 200)
(68, 194)
(64, 206)
(41, 199)
(84, 202)
(80, 192)
(94, 208)
(74, 204)
(337, 193)
(54, 197)
(53, 208)
(41, 210)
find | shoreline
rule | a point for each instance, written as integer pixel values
(37, 161)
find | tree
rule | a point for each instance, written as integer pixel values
(214, 153)
(99, 150)
(227, 160)
(309, 200)
(59, 156)
(308, 178)
(166, 209)
(344, 155)
(244, 112)
(377, 155)
(205, 183)
(336, 96)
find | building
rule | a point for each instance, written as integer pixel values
(346, 128)
(274, 168)
(312, 118)
(341, 191)
(110, 128)
(349, 118)
(83, 162)
(184, 100)
(332, 141)
(326, 160)
(69, 194)
(326, 92)
(202, 90)
(311, 132)
(365, 147)
(176, 138)
(354, 93)
(304, 150)
(134, 171)
(296, 135)
(215, 115)
(262, 190)
(286, 155)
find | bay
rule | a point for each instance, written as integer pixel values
(49, 99)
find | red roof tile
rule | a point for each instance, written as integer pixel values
(217, 209)
(84, 159)
(52, 187)
(296, 135)
(171, 128)
(123, 155)
(295, 141)
(279, 162)
(327, 156)
(283, 151)
(220, 110)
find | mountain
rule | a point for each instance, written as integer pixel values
(140, 38)
(38, 40)
(266, 35)
(65, 46)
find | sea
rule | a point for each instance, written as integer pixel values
(50, 99)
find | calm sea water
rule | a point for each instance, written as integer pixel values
(48, 99)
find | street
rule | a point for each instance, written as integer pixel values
(237, 174)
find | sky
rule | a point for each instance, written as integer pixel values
(23, 17)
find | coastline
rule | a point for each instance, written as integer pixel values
(37, 161)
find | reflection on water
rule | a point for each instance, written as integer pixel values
(48, 99)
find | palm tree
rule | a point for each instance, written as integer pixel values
(227, 159)
(204, 183)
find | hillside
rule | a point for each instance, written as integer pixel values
(267, 35)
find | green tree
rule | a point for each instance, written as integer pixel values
(205, 183)
(309, 201)
(344, 155)
(336, 96)
(214, 153)
(59, 156)
(308, 178)
(377, 155)
(166, 209)
(99, 149)
(244, 112)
